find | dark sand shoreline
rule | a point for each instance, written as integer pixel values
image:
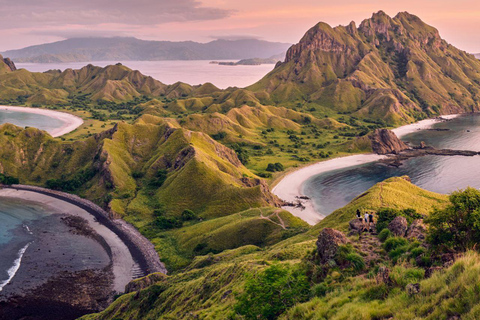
(53, 281)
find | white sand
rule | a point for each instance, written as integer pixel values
(123, 263)
(70, 122)
(421, 125)
(291, 186)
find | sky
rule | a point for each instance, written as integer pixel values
(30, 22)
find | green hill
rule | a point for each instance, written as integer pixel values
(209, 287)
(398, 69)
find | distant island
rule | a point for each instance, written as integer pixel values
(130, 49)
(250, 62)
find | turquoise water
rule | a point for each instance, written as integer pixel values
(332, 190)
(24, 119)
(17, 219)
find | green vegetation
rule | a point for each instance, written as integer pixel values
(386, 215)
(183, 164)
(457, 226)
(282, 282)
(274, 290)
(8, 180)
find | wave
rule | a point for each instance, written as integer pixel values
(13, 269)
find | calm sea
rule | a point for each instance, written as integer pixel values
(17, 219)
(335, 189)
(192, 72)
(24, 119)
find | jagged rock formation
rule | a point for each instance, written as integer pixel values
(10, 64)
(395, 69)
(384, 141)
(328, 242)
(416, 230)
(398, 226)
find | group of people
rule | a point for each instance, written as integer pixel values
(367, 221)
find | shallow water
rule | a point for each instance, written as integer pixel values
(332, 190)
(24, 119)
(17, 218)
(192, 72)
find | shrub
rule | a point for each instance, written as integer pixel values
(8, 180)
(159, 178)
(458, 225)
(273, 167)
(402, 275)
(219, 136)
(394, 242)
(386, 215)
(384, 234)
(188, 215)
(268, 294)
(162, 222)
(320, 290)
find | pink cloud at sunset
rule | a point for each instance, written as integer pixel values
(26, 23)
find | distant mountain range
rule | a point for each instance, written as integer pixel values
(477, 55)
(121, 49)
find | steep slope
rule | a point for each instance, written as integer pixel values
(209, 286)
(398, 69)
(122, 48)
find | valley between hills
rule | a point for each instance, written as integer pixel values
(192, 168)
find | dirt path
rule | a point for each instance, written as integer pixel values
(369, 246)
(281, 222)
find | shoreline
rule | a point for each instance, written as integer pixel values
(141, 250)
(70, 121)
(290, 187)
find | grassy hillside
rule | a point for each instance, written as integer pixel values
(209, 287)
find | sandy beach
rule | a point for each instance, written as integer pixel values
(421, 125)
(290, 188)
(70, 122)
(122, 261)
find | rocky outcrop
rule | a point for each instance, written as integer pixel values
(10, 64)
(328, 242)
(142, 283)
(416, 230)
(356, 226)
(398, 226)
(413, 288)
(384, 141)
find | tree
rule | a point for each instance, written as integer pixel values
(458, 225)
(271, 292)
(188, 215)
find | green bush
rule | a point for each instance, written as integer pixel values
(159, 178)
(8, 180)
(320, 290)
(188, 215)
(394, 242)
(384, 234)
(165, 223)
(458, 225)
(273, 167)
(402, 275)
(268, 294)
(386, 215)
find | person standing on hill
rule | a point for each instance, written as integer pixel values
(370, 222)
(367, 225)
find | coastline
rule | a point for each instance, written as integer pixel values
(70, 122)
(290, 187)
(123, 262)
